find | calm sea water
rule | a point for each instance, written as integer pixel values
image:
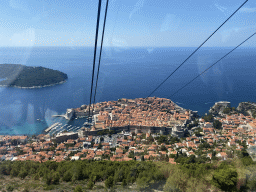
(125, 73)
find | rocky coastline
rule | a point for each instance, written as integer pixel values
(35, 87)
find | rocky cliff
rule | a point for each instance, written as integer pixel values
(247, 108)
(219, 107)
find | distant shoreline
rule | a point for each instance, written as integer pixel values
(35, 87)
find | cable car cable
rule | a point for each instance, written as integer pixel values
(95, 50)
(106, 10)
(212, 65)
(196, 50)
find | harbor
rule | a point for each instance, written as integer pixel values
(62, 125)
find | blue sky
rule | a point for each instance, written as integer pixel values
(149, 23)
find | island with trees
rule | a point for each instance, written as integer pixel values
(21, 76)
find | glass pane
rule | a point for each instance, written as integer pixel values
(145, 41)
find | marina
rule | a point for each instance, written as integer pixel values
(59, 128)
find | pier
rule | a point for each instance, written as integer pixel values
(65, 116)
(52, 126)
(70, 113)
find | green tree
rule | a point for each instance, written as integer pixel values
(163, 148)
(55, 178)
(36, 176)
(51, 177)
(23, 173)
(213, 154)
(227, 110)
(124, 183)
(90, 184)
(217, 124)
(78, 189)
(77, 172)
(225, 178)
(48, 179)
(15, 171)
(174, 140)
(247, 160)
(208, 118)
(131, 154)
(162, 139)
(99, 146)
(67, 176)
(109, 182)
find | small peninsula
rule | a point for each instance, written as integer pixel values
(21, 76)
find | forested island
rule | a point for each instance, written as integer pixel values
(21, 76)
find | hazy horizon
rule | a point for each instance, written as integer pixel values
(133, 23)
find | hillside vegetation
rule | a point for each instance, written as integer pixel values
(190, 175)
(88, 174)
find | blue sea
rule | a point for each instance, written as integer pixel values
(124, 73)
